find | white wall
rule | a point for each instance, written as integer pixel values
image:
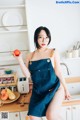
(11, 2)
(10, 41)
(61, 19)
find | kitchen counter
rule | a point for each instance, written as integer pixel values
(75, 102)
(22, 104)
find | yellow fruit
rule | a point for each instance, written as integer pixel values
(11, 94)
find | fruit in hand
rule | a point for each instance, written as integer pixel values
(17, 52)
(10, 94)
(4, 94)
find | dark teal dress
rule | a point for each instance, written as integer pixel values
(45, 85)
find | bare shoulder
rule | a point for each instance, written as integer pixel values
(54, 52)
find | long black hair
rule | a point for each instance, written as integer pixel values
(36, 34)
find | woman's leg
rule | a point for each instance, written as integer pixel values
(54, 109)
(34, 118)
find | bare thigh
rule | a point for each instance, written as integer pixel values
(34, 118)
(56, 102)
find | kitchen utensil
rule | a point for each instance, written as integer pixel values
(23, 85)
(69, 54)
(75, 53)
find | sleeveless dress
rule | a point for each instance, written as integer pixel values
(45, 85)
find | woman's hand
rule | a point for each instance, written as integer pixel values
(67, 94)
(17, 57)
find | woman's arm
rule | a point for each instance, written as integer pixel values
(58, 71)
(24, 67)
(57, 68)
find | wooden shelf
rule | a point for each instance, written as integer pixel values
(12, 6)
(8, 84)
(15, 31)
(15, 78)
(6, 31)
(72, 79)
(67, 59)
(6, 56)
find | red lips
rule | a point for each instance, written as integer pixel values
(42, 44)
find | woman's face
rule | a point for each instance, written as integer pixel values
(43, 39)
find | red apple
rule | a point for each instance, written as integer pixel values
(17, 52)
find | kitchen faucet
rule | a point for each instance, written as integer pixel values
(66, 67)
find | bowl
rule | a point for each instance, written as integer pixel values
(8, 71)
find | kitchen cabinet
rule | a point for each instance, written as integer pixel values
(18, 116)
(65, 113)
(9, 80)
(13, 31)
(76, 112)
(9, 116)
(70, 113)
(70, 110)
(14, 116)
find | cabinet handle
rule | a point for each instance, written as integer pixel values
(16, 115)
(68, 108)
(72, 87)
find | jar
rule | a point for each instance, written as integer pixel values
(68, 54)
(75, 53)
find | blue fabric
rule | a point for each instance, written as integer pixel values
(45, 84)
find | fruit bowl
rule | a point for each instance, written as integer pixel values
(17, 94)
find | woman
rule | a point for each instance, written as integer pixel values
(49, 87)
